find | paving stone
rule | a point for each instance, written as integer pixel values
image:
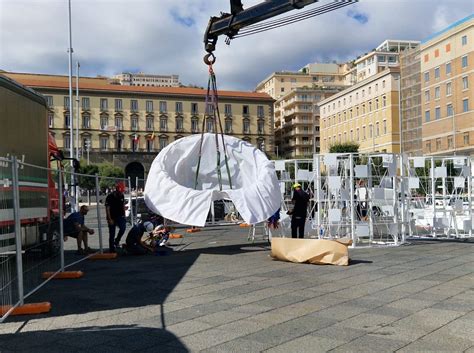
(308, 343)
(237, 345)
(369, 343)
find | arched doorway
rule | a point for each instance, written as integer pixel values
(134, 170)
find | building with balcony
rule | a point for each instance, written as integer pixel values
(129, 125)
(447, 70)
(142, 79)
(366, 113)
(296, 118)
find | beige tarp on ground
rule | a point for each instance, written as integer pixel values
(313, 251)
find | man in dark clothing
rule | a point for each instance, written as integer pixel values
(298, 214)
(74, 227)
(115, 209)
(135, 245)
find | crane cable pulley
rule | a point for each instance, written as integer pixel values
(212, 109)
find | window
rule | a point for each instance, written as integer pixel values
(179, 107)
(260, 126)
(363, 133)
(86, 121)
(163, 107)
(209, 125)
(427, 116)
(66, 102)
(86, 105)
(134, 123)
(86, 143)
(428, 146)
(179, 124)
(357, 134)
(104, 143)
(119, 123)
(260, 111)
(134, 105)
(228, 110)
(246, 126)
(437, 92)
(163, 124)
(194, 108)
(465, 83)
(465, 105)
(67, 142)
(245, 110)
(67, 120)
(437, 113)
(438, 144)
(194, 124)
(134, 143)
(464, 61)
(448, 89)
(49, 100)
(427, 76)
(384, 101)
(282, 89)
(427, 95)
(50, 119)
(150, 124)
(104, 122)
(150, 145)
(163, 142)
(149, 106)
(465, 138)
(450, 142)
(464, 40)
(118, 105)
(383, 84)
(104, 104)
(228, 126)
(118, 143)
(436, 72)
(371, 131)
(385, 127)
(449, 110)
(448, 68)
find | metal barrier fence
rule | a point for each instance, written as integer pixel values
(381, 199)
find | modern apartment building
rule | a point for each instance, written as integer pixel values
(129, 125)
(447, 66)
(410, 68)
(142, 79)
(366, 113)
(297, 122)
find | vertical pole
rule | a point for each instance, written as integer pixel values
(71, 110)
(352, 191)
(368, 199)
(16, 215)
(130, 200)
(99, 223)
(470, 196)
(396, 201)
(318, 193)
(136, 197)
(445, 204)
(403, 187)
(60, 216)
(76, 193)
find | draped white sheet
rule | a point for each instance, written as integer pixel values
(170, 186)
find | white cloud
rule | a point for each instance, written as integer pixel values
(165, 36)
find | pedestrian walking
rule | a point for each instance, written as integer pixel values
(115, 210)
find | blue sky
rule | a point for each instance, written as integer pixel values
(165, 36)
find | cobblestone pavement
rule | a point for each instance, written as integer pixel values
(214, 292)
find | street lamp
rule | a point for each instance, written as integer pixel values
(71, 115)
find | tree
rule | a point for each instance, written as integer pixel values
(109, 172)
(87, 182)
(344, 147)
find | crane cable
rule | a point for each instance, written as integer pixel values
(266, 26)
(212, 108)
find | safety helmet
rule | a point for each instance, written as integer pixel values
(148, 226)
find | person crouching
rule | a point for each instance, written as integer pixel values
(134, 242)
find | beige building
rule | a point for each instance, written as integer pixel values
(366, 113)
(142, 79)
(447, 66)
(129, 125)
(297, 122)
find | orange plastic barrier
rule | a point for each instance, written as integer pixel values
(27, 309)
(104, 256)
(244, 225)
(193, 230)
(63, 275)
(175, 236)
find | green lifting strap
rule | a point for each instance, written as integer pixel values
(212, 109)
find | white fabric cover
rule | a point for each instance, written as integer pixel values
(169, 189)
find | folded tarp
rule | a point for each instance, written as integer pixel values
(313, 251)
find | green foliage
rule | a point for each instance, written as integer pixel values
(110, 171)
(345, 147)
(88, 183)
